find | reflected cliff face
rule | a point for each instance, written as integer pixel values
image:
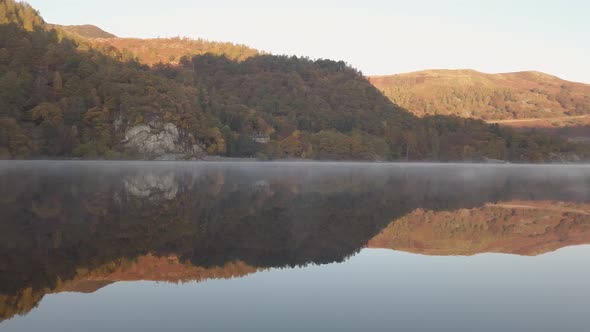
(79, 226)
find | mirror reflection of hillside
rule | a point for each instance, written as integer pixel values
(79, 226)
(511, 227)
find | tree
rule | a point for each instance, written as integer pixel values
(57, 82)
(48, 113)
(13, 140)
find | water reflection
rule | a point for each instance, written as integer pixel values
(512, 227)
(79, 226)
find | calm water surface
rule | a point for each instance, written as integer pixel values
(190, 246)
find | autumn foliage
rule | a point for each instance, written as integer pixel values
(66, 95)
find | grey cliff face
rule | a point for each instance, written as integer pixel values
(161, 142)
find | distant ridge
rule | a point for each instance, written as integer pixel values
(472, 94)
(86, 31)
(171, 50)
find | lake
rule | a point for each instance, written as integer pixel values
(301, 246)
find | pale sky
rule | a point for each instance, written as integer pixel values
(378, 37)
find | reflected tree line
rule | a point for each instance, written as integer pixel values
(61, 218)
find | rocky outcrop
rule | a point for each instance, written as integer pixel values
(161, 141)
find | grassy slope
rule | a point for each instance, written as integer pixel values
(468, 93)
(171, 50)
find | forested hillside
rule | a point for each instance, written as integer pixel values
(63, 97)
(468, 93)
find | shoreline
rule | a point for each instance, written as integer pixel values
(291, 161)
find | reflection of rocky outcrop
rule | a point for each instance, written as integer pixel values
(152, 185)
(516, 227)
(161, 141)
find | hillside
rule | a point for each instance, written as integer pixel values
(66, 97)
(472, 94)
(149, 51)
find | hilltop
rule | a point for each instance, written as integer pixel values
(171, 50)
(150, 51)
(85, 31)
(472, 94)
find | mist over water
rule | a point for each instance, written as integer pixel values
(293, 245)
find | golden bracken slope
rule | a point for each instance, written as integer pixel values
(469, 93)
